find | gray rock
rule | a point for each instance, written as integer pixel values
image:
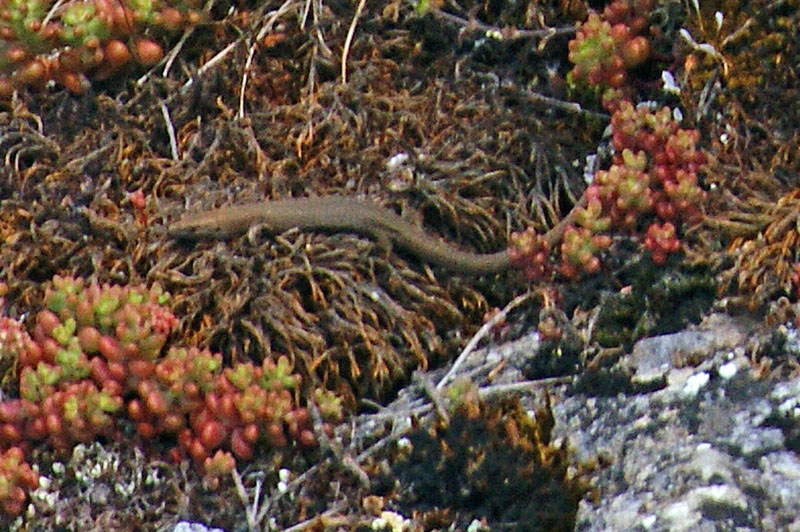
(702, 453)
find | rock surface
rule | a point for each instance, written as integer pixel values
(705, 452)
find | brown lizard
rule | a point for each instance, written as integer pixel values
(336, 213)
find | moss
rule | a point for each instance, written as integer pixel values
(661, 300)
(492, 462)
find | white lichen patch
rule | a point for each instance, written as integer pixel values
(391, 521)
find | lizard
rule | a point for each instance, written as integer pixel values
(337, 213)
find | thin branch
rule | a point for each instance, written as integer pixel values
(569, 107)
(211, 63)
(78, 165)
(270, 21)
(342, 458)
(290, 487)
(250, 510)
(483, 331)
(502, 33)
(51, 13)
(173, 141)
(173, 54)
(323, 519)
(245, 77)
(304, 18)
(520, 387)
(433, 394)
(349, 39)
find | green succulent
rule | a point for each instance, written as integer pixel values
(82, 22)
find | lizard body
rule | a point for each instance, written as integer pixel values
(336, 213)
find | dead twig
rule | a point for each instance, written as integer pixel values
(349, 39)
(483, 331)
(245, 77)
(250, 510)
(173, 141)
(562, 105)
(501, 33)
(433, 394)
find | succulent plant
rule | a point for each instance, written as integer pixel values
(608, 45)
(16, 479)
(530, 252)
(82, 39)
(649, 191)
(95, 357)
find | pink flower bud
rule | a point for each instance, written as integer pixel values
(32, 73)
(171, 18)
